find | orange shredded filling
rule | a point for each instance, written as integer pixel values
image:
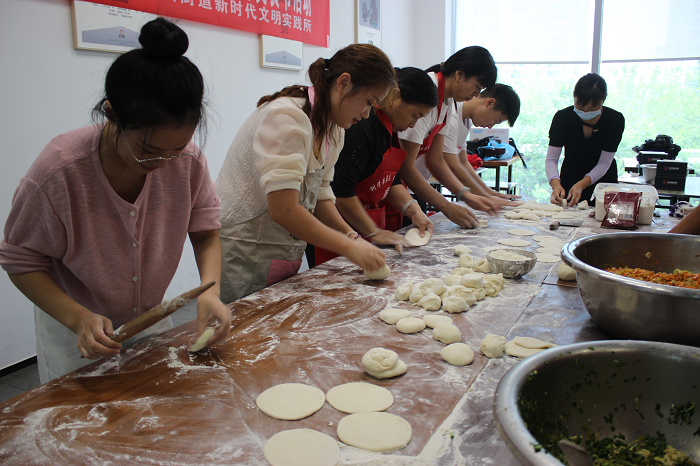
(681, 278)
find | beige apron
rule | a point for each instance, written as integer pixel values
(260, 252)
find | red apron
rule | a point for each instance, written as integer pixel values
(373, 190)
(441, 95)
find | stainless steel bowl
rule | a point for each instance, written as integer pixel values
(512, 269)
(629, 386)
(634, 309)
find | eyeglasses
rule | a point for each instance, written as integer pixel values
(151, 159)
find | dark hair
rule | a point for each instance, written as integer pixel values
(507, 101)
(154, 85)
(367, 66)
(473, 61)
(416, 87)
(590, 88)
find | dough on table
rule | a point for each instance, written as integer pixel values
(380, 432)
(533, 343)
(415, 294)
(452, 280)
(431, 320)
(430, 302)
(552, 251)
(398, 369)
(410, 325)
(379, 359)
(413, 238)
(493, 346)
(564, 272)
(480, 294)
(552, 244)
(354, 397)
(531, 216)
(455, 304)
(516, 242)
(447, 333)
(290, 401)
(472, 280)
(391, 315)
(200, 342)
(382, 273)
(566, 215)
(507, 255)
(521, 352)
(462, 271)
(482, 265)
(432, 285)
(540, 238)
(301, 447)
(467, 294)
(583, 205)
(564, 202)
(461, 249)
(548, 258)
(403, 292)
(457, 354)
(483, 223)
(466, 261)
(513, 215)
(521, 232)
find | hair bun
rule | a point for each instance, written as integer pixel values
(163, 40)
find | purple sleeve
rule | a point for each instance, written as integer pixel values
(551, 164)
(602, 167)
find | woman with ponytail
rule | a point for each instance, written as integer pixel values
(275, 182)
(370, 197)
(461, 77)
(98, 224)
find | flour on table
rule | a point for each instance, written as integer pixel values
(290, 401)
(516, 242)
(359, 396)
(301, 447)
(380, 432)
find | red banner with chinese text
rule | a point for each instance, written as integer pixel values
(306, 21)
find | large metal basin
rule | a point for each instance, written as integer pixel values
(633, 309)
(628, 386)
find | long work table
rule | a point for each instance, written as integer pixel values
(157, 404)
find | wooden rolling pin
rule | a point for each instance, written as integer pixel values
(157, 314)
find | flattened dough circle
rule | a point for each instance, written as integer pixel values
(301, 447)
(516, 242)
(414, 239)
(290, 401)
(380, 432)
(550, 258)
(521, 232)
(359, 396)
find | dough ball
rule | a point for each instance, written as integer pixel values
(564, 202)
(301, 447)
(416, 294)
(461, 249)
(446, 333)
(455, 304)
(513, 215)
(391, 316)
(583, 205)
(432, 285)
(382, 273)
(493, 346)
(521, 352)
(380, 432)
(290, 401)
(403, 292)
(430, 302)
(457, 354)
(465, 260)
(480, 294)
(521, 232)
(398, 369)
(413, 238)
(354, 397)
(462, 270)
(564, 272)
(482, 265)
(200, 342)
(410, 325)
(472, 280)
(452, 280)
(533, 343)
(379, 359)
(483, 223)
(431, 320)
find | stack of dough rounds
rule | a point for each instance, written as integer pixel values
(410, 325)
(457, 354)
(391, 316)
(290, 401)
(301, 447)
(523, 347)
(493, 346)
(359, 396)
(447, 333)
(383, 363)
(379, 432)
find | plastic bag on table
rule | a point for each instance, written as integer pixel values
(622, 210)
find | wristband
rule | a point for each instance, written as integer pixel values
(357, 235)
(373, 233)
(461, 192)
(407, 205)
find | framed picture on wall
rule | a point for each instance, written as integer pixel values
(368, 22)
(105, 27)
(285, 54)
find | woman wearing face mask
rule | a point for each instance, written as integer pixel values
(275, 182)
(590, 134)
(97, 225)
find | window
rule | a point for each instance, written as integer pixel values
(650, 59)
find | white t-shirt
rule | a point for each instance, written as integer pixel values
(458, 131)
(426, 124)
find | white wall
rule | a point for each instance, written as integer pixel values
(49, 88)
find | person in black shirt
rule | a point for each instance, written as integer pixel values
(370, 197)
(590, 134)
